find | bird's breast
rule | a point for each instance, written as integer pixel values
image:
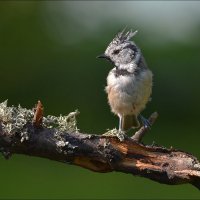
(129, 91)
(122, 83)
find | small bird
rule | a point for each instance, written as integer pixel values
(129, 83)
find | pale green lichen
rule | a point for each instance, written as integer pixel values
(15, 120)
(197, 166)
(65, 146)
(115, 133)
(61, 143)
(62, 123)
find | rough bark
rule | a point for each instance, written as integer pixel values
(27, 132)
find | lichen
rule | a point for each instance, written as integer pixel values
(14, 120)
(64, 146)
(62, 123)
(105, 144)
(197, 166)
(115, 133)
(60, 143)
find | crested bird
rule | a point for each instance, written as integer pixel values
(129, 82)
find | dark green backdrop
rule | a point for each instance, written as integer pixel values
(37, 63)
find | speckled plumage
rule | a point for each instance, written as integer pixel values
(129, 83)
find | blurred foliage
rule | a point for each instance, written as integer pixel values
(66, 77)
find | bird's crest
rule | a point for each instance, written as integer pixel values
(124, 36)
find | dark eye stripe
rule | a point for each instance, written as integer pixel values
(116, 51)
(130, 46)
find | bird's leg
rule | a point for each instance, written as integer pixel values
(145, 122)
(120, 123)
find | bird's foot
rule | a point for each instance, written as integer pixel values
(146, 123)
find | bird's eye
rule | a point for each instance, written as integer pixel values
(116, 51)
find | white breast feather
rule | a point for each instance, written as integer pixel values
(129, 94)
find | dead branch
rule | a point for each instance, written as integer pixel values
(57, 138)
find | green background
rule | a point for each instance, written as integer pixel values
(48, 52)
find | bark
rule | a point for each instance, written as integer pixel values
(27, 132)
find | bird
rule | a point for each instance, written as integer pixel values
(129, 82)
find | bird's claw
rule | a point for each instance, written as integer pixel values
(146, 123)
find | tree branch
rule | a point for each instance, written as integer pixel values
(57, 138)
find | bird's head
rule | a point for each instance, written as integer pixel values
(122, 51)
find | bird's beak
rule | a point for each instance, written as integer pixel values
(103, 56)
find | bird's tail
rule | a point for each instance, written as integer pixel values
(129, 121)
